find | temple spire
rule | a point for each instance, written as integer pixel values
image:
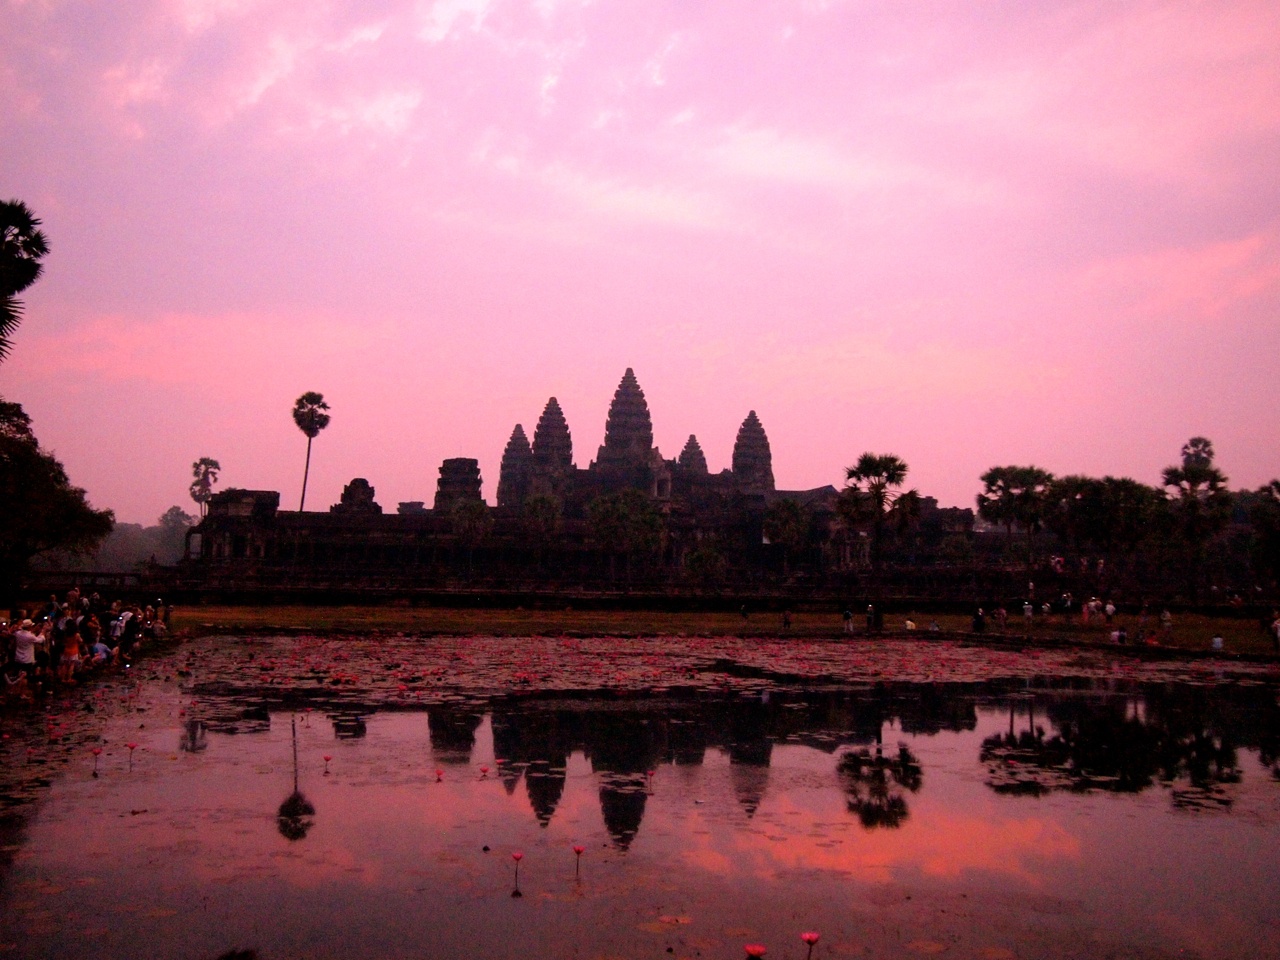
(628, 432)
(692, 457)
(552, 445)
(515, 476)
(752, 459)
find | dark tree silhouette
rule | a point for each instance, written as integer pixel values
(310, 416)
(205, 471)
(542, 520)
(786, 523)
(705, 564)
(624, 523)
(1015, 496)
(22, 246)
(294, 818)
(471, 522)
(872, 498)
(875, 784)
(1264, 515)
(39, 508)
(1200, 502)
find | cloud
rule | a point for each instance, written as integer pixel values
(443, 19)
(390, 112)
(770, 154)
(1189, 284)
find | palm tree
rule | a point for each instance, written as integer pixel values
(871, 496)
(309, 414)
(21, 247)
(1200, 501)
(1016, 496)
(875, 784)
(205, 471)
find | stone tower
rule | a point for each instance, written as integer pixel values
(552, 445)
(459, 480)
(515, 476)
(628, 433)
(357, 498)
(752, 460)
(692, 457)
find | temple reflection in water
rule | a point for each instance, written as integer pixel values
(1184, 738)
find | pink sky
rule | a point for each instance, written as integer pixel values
(968, 233)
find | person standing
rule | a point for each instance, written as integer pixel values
(24, 650)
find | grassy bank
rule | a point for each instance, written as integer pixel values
(1191, 631)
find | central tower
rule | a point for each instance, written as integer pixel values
(628, 433)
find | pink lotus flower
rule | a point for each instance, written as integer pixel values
(754, 949)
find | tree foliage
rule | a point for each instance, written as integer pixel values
(625, 523)
(705, 564)
(1264, 515)
(310, 413)
(22, 247)
(205, 474)
(873, 499)
(1016, 496)
(1200, 503)
(1109, 516)
(40, 510)
(786, 523)
(542, 517)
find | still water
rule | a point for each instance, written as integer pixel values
(985, 820)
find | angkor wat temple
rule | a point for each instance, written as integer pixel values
(630, 513)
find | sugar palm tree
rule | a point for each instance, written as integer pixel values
(873, 496)
(1016, 496)
(1201, 503)
(205, 471)
(309, 414)
(21, 247)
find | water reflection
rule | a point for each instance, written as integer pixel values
(295, 816)
(861, 812)
(1084, 737)
(193, 739)
(453, 733)
(1181, 737)
(875, 784)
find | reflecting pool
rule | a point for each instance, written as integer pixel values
(1053, 815)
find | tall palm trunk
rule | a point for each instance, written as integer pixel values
(306, 470)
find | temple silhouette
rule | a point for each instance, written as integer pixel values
(631, 516)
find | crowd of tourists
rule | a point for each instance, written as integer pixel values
(60, 643)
